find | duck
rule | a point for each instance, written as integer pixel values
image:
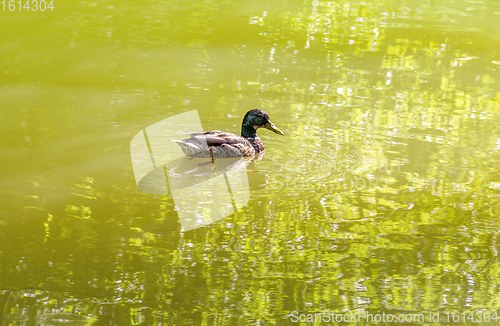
(221, 144)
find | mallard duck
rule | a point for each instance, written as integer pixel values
(220, 144)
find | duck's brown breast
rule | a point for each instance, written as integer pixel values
(257, 144)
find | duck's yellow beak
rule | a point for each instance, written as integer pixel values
(272, 127)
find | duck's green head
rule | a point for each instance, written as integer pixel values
(255, 119)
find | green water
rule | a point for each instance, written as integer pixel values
(382, 197)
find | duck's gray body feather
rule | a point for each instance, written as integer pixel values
(219, 144)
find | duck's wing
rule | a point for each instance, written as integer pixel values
(222, 144)
(211, 138)
(226, 145)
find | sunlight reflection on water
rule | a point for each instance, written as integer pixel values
(382, 195)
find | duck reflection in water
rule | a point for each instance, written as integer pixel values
(204, 190)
